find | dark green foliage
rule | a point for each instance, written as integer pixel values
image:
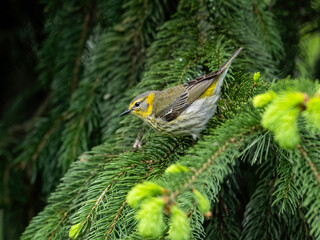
(223, 223)
(260, 219)
(249, 24)
(96, 56)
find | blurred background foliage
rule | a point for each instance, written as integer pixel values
(70, 67)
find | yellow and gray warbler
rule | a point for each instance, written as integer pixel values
(184, 109)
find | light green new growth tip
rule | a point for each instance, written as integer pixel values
(263, 99)
(142, 191)
(150, 218)
(176, 168)
(179, 224)
(281, 118)
(75, 230)
(286, 133)
(256, 78)
(203, 202)
(312, 113)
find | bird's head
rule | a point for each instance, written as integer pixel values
(142, 105)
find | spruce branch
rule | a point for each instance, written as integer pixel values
(124, 179)
(261, 22)
(77, 132)
(65, 213)
(115, 219)
(190, 63)
(307, 160)
(47, 135)
(305, 224)
(203, 168)
(222, 224)
(288, 185)
(61, 205)
(314, 169)
(269, 205)
(81, 45)
(63, 218)
(138, 42)
(68, 210)
(260, 218)
(101, 196)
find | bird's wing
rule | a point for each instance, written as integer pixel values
(191, 91)
(166, 100)
(170, 106)
(199, 85)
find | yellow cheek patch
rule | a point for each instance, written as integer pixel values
(141, 113)
(149, 100)
(210, 90)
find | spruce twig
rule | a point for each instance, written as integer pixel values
(310, 163)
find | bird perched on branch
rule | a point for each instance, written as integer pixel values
(184, 109)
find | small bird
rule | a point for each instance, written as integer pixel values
(184, 109)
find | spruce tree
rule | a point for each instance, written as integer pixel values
(253, 174)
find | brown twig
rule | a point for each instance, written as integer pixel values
(102, 194)
(24, 127)
(65, 214)
(305, 224)
(82, 117)
(80, 51)
(310, 163)
(55, 230)
(47, 136)
(260, 20)
(268, 214)
(204, 167)
(124, 202)
(288, 187)
(224, 206)
(115, 219)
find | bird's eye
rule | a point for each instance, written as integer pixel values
(137, 104)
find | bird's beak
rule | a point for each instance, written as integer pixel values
(228, 62)
(125, 112)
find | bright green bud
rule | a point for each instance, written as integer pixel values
(287, 134)
(290, 99)
(75, 230)
(179, 224)
(150, 217)
(263, 99)
(312, 113)
(176, 168)
(141, 191)
(281, 118)
(203, 202)
(256, 78)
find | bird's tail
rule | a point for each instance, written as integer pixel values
(221, 73)
(228, 62)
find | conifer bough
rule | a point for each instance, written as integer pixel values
(283, 110)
